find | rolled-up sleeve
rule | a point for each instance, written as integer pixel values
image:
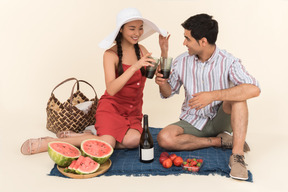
(239, 75)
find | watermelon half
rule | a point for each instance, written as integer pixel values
(98, 150)
(63, 153)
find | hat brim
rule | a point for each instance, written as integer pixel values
(149, 28)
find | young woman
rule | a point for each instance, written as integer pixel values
(119, 111)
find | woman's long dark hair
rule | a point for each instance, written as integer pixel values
(120, 54)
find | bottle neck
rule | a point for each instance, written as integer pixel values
(145, 122)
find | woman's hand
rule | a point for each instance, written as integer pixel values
(164, 45)
(143, 62)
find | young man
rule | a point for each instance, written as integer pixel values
(217, 88)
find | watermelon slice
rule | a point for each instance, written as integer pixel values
(63, 153)
(70, 168)
(77, 164)
(98, 150)
(83, 166)
(87, 166)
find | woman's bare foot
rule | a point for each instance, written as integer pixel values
(66, 134)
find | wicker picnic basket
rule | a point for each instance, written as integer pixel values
(66, 116)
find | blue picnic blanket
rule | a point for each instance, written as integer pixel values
(126, 162)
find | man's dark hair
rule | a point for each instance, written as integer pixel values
(202, 25)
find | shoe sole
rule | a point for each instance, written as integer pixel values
(231, 134)
(238, 178)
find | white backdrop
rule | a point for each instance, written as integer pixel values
(44, 42)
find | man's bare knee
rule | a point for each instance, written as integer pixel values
(163, 140)
(166, 137)
(228, 105)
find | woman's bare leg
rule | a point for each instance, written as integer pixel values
(33, 146)
(131, 140)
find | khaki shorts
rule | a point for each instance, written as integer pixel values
(220, 123)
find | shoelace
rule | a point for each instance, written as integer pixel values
(239, 159)
(226, 145)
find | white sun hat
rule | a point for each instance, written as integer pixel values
(125, 16)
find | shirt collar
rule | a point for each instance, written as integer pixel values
(211, 59)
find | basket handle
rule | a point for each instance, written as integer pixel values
(69, 79)
(71, 97)
(87, 84)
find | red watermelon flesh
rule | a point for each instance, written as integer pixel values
(63, 153)
(78, 162)
(70, 168)
(65, 149)
(72, 165)
(88, 166)
(98, 150)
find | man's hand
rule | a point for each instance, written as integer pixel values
(164, 86)
(159, 77)
(164, 45)
(201, 100)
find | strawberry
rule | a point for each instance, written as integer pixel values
(172, 156)
(186, 166)
(178, 161)
(194, 163)
(199, 164)
(167, 163)
(200, 160)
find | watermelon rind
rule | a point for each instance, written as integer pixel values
(98, 159)
(60, 159)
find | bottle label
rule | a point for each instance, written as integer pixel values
(147, 154)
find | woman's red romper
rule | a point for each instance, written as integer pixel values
(116, 114)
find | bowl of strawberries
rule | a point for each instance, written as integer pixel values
(192, 164)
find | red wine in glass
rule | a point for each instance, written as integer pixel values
(165, 72)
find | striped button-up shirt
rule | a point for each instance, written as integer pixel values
(220, 71)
